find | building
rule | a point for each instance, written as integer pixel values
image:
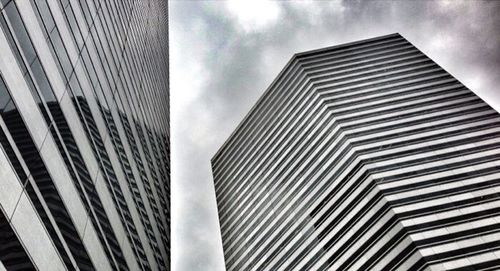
(362, 156)
(84, 135)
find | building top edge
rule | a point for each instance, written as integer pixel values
(343, 45)
(294, 57)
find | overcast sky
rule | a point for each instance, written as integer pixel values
(223, 55)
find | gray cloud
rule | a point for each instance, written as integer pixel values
(222, 61)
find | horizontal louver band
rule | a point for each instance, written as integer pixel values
(358, 157)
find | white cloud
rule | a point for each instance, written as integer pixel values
(254, 15)
(317, 12)
(189, 74)
(441, 41)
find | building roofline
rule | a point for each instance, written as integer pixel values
(294, 57)
(252, 109)
(343, 45)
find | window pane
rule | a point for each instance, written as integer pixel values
(4, 96)
(42, 81)
(20, 32)
(12, 253)
(60, 50)
(74, 26)
(46, 15)
(12, 44)
(4, 3)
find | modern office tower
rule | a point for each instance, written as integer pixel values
(362, 156)
(84, 135)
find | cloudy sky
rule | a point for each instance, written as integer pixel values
(223, 56)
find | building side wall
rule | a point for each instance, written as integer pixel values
(84, 120)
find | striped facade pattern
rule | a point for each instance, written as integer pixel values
(84, 135)
(363, 156)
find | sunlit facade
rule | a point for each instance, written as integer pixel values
(362, 156)
(84, 135)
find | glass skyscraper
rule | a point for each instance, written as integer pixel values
(362, 156)
(84, 135)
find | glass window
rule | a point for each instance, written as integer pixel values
(88, 65)
(76, 90)
(64, 3)
(60, 51)
(12, 44)
(74, 26)
(12, 253)
(44, 10)
(37, 97)
(11, 154)
(4, 96)
(9, 107)
(4, 3)
(86, 11)
(20, 32)
(42, 81)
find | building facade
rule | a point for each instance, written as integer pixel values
(362, 156)
(84, 135)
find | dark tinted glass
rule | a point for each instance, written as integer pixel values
(12, 253)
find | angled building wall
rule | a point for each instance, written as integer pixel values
(363, 156)
(84, 135)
